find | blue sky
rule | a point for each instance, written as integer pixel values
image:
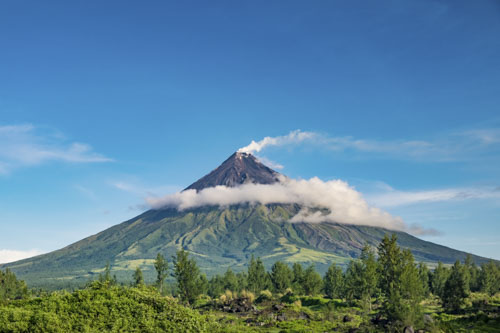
(105, 104)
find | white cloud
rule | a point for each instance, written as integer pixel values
(14, 255)
(25, 145)
(342, 203)
(394, 198)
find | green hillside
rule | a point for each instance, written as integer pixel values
(217, 238)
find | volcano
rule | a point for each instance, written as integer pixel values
(240, 168)
(217, 237)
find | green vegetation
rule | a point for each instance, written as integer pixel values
(102, 307)
(217, 239)
(385, 293)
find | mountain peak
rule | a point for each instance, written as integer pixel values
(240, 168)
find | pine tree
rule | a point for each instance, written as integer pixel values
(361, 278)
(138, 277)
(472, 272)
(298, 278)
(333, 282)
(354, 280)
(370, 273)
(438, 279)
(216, 286)
(230, 280)
(423, 273)
(187, 274)
(489, 278)
(281, 276)
(312, 282)
(161, 266)
(389, 263)
(106, 277)
(399, 282)
(456, 288)
(10, 287)
(258, 279)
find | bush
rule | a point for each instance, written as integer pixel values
(102, 308)
(265, 295)
(248, 295)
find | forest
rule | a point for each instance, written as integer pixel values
(384, 290)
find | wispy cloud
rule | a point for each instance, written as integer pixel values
(90, 194)
(26, 145)
(394, 198)
(14, 255)
(457, 145)
(136, 188)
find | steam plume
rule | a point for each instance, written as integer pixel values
(296, 136)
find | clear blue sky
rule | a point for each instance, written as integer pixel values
(105, 103)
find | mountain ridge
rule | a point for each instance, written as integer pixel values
(217, 237)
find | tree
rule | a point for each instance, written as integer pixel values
(187, 274)
(281, 276)
(161, 266)
(423, 273)
(354, 280)
(230, 280)
(333, 282)
(10, 287)
(389, 263)
(361, 277)
(399, 282)
(216, 286)
(438, 279)
(258, 279)
(472, 272)
(312, 282)
(138, 277)
(106, 277)
(298, 278)
(489, 278)
(370, 272)
(456, 288)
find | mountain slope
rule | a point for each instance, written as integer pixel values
(217, 237)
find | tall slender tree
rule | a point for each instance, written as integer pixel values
(333, 282)
(312, 282)
(161, 266)
(281, 276)
(187, 274)
(258, 279)
(298, 277)
(438, 279)
(138, 277)
(456, 288)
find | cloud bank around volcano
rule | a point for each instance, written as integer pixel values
(341, 203)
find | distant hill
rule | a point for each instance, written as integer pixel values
(217, 238)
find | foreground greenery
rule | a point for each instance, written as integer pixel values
(102, 307)
(385, 290)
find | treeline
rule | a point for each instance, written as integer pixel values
(391, 277)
